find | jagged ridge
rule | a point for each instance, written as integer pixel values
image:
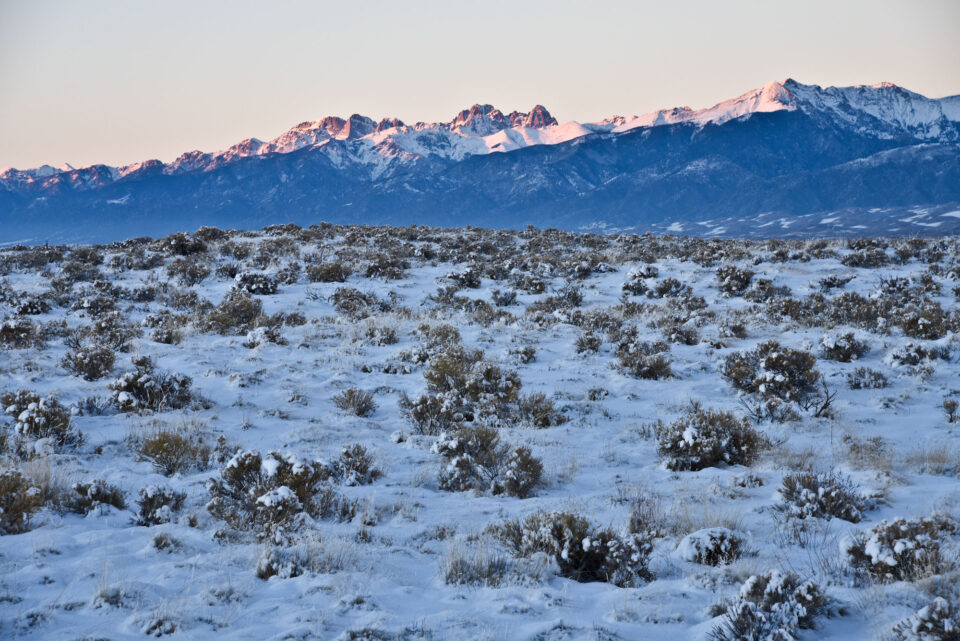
(884, 110)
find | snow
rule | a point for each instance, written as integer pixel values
(100, 576)
(692, 546)
(278, 496)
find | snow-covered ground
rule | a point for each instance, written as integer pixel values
(382, 574)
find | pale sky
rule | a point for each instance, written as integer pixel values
(117, 81)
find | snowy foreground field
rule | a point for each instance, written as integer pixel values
(411, 433)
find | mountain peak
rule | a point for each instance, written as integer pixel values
(390, 123)
(484, 120)
(538, 118)
(479, 120)
(357, 127)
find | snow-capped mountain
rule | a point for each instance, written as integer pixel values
(388, 170)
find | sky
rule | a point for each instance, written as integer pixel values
(118, 81)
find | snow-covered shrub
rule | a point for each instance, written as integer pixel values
(19, 499)
(550, 308)
(227, 271)
(522, 473)
(474, 458)
(354, 466)
(90, 363)
(112, 330)
(236, 314)
(436, 338)
(356, 305)
(236, 250)
(468, 277)
(822, 495)
(283, 562)
(179, 244)
(356, 401)
(86, 497)
(150, 389)
(843, 348)
(87, 256)
(188, 271)
(733, 280)
(950, 406)
(267, 333)
(682, 332)
(432, 414)
(528, 283)
(95, 305)
(913, 354)
(158, 505)
(539, 411)
(380, 334)
(763, 290)
(333, 272)
(449, 370)
(583, 552)
(288, 275)
(771, 606)
(77, 272)
(464, 388)
(939, 621)
(644, 271)
(172, 451)
(503, 298)
(526, 354)
(167, 333)
(902, 549)
(271, 495)
(669, 288)
(773, 371)
(32, 306)
(733, 330)
(188, 300)
(711, 546)
(588, 343)
(866, 378)
(39, 418)
(491, 388)
(636, 283)
(387, 267)
(866, 258)
(927, 322)
(255, 283)
(705, 438)
(209, 234)
(644, 360)
(828, 283)
(17, 333)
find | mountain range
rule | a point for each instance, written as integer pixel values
(787, 159)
